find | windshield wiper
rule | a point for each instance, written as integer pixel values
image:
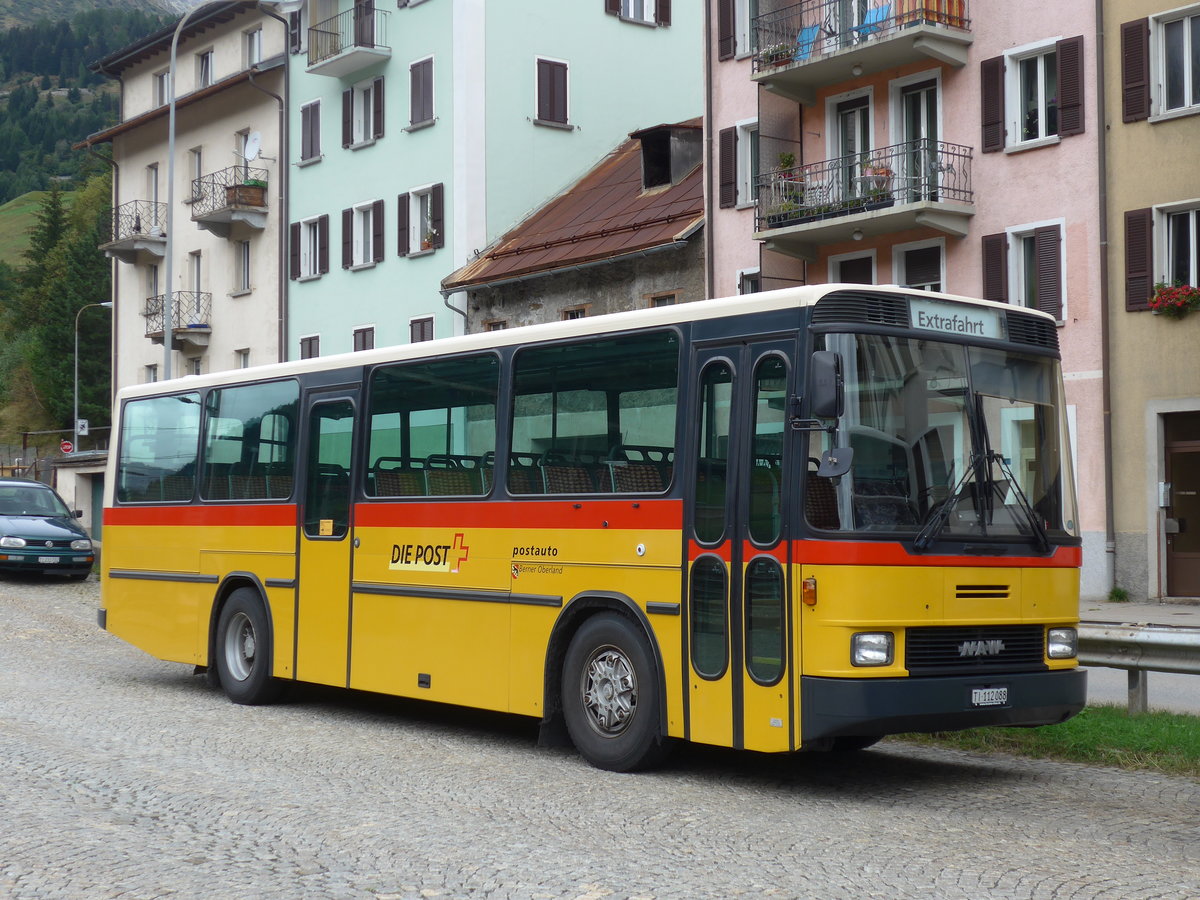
(941, 513)
(1039, 530)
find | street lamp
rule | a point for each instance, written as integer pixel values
(75, 422)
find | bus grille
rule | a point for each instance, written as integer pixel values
(861, 307)
(974, 649)
(1023, 329)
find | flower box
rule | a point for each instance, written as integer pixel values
(246, 195)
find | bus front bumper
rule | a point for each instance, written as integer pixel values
(843, 707)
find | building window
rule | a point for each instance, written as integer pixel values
(1032, 94)
(1037, 96)
(1025, 266)
(310, 130)
(362, 235)
(575, 312)
(364, 338)
(362, 113)
(638, 10)
(1180, 55)
(152, 281)
(853, 268)
(254, 47)
(421, 92)
(551, 92)
(1183, 247)
(310, 346)
(193, 365)
(298, 30)
(749, 281)
(196, 169)
(918, 265)
(204, 69)
(241, 358)
(151, 374)
(196, 270)
(309, 242)
(744, 14)
(162, 88)
(243, 269)
(495, 325)
(420, 329)
(421, 220)
(669, 299)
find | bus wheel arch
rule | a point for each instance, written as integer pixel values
(600, 637)
(241, 642)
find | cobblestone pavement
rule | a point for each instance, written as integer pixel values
(122, 776)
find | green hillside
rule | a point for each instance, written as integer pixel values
(17, 217)
(27, 12)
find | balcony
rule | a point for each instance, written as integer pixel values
(136, 232)
(230, 196)
(821, 42)
(910, 185)
(349, 42)
(192, 315)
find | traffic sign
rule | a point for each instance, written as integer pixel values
(81, 427)
(66, 447)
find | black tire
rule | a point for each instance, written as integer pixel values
(610, 696)
(243, 650)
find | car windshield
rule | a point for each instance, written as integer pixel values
(949, 441)
(21, 500)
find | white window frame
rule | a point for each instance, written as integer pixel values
(835, 260)
(1158, 56)
(420, 206)
(241, 358)
(151, 373)
(1017, 276)
(743, 26)
(196, 271)
(252, 42)
(310, 248)
(1013, 103)
(205, 68)
(899, 250)
(244, 258)
(362, 113)
(194, 366)
(833, 133)
(162, 88)
(362, 243)
(742, 274)
(1162, 240)
(649, 11)
(896, 102)
(747, 153)
(196, 170)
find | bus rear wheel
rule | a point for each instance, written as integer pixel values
(610, 696)
(243, 650)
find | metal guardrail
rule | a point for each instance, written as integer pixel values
(191, 309)
(1140, 649)
(241, 185)
(362, 26)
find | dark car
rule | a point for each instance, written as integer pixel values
(39, 534)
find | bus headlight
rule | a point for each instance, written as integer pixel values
(81, 545)
(872, 648)
(1062, 643)
(12, 543)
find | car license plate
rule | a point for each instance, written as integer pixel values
(48, 560)
(990, 696)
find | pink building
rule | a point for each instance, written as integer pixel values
(940, 144)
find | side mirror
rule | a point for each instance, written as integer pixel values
(77, 513)
(826, 388)
(835, 463)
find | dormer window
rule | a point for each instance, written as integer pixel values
(668, 154)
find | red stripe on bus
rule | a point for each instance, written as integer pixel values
(559, 514)
(860, 553)
(158, 516)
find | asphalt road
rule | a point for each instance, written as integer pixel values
(122, 776)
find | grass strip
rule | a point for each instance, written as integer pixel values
(1100, 735)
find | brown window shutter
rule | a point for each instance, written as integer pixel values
(314, 129)
(991, 72)
(306, 132)
(552, 91)
(1047, 250)
(662, 12)
(437, 214)
(727, 167)
(421, 100)
(543, 90)
(402, 225)
(612, 7)
(1139, 258)
(1135, 70)
(377, 109)
(347, 238)
(294, 251)
(293, 32)
(995, 267)
(347, 118)
(377, 231)
(323, 244)
(1070, 86)
(726, 41)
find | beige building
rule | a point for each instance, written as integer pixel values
(1152, 86)
(221, 285)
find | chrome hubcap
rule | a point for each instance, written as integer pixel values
(609, 691)
(239, 647)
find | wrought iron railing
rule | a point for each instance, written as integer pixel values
(189, 309)
(235, 186)
(902, 173)
(362, 26)
(137, 218)
(807, 30)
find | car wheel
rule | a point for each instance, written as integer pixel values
(243, 650)
(610, 696)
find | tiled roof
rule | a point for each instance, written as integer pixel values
(604, 214)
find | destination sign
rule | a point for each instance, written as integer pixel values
(952, 318)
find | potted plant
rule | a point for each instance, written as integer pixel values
(775, 55)
(1174, 300)
(427, 238)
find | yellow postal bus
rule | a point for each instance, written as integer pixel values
(794, 520)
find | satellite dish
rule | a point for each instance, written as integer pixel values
(253, 145)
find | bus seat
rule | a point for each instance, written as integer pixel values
(634, 477)
(820, 503)
(442, 482)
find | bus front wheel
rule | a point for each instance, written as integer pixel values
(610, 696)
(243, 650)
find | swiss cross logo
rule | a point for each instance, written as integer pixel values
(459, 549)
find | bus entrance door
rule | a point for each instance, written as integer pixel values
(323, 614)
(738, 620)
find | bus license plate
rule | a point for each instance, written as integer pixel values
(47, 560)
(992, 696)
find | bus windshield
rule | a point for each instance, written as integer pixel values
(950, 442)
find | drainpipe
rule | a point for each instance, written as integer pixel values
(283, 168)
(1110, 540)
(709, 274)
